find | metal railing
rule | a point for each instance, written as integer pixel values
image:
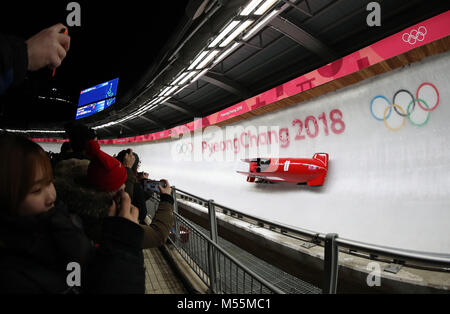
(331, 242)
(219, 271)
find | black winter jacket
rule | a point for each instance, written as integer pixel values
(35, 252)
(13, 62)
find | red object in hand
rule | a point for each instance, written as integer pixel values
(311, 171)
(65, 31)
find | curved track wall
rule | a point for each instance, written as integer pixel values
(388, 181)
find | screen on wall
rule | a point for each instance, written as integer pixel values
(86, 111)
(98, 92)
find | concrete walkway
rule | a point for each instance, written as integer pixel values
(159, 277)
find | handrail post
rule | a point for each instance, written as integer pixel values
(175, 203)
(211, 250)
(175, 210)
(330, 264)
(212, 220)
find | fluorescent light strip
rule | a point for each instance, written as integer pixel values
(33, 131)
(264, 7)
(198, 59)
(260, 25)
(181, 89)
(237, 31)
(188, 77)
(164, 91)
(158, 100)
(224, 33)
(153, 101)
(171, 90)
(179, 78)
(53, 98)
(184, 77)
(165, 99)
(249, 8)
(199, 75)
(226, 53)
(139, 112)
(207, 59)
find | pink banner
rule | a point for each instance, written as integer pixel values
(53, 140)
(412, 37)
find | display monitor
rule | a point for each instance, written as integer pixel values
(98, 92)
(90, 109)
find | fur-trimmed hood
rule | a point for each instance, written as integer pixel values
(74, 191)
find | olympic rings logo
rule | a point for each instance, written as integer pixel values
(415, 35)
(409, 109)
(183, 148)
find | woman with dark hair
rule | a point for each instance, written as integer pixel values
(131, 162)
(158, 231)
(39, 239)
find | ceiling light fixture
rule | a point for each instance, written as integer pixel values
(236, 32)
(230, 32)
(264, 7)
(258, 26)
(153, 101)
(182, 88)
(165, 99)
(171, 90)
(188, 77)
(224, 33)
(180, 77)
(33, 131)
(199, 75)
(198, 59)
(165, 90)
(225, 53)
(249, 8)
(205, 61)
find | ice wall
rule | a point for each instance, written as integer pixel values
(388, 181)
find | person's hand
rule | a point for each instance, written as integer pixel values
(165, 190)
(142, 175)
(47, 48)
(129, 159)
(122, 207)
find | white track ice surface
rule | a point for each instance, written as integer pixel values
(383, 187)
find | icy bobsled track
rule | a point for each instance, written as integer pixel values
(388, 179)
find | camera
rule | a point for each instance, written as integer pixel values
(152, 185)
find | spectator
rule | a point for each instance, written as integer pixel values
(46, 48)
(79, 134)
(93, 186)
(132, 186)
(56, 158)
(88, 187)
(128, 159)
(163, 215)
(38, 237)
(157, 233)
(66, 148)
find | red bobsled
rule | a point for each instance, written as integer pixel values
(311, 171)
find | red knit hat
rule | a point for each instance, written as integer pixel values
(104, 172)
